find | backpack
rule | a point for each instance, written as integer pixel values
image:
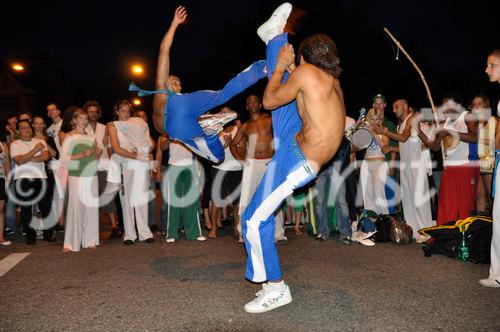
(366, 221)
(446, 238)
(383, 225)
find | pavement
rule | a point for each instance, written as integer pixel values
(195, 286)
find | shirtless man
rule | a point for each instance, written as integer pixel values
(253, 144)
(303, 144)
(177, 114)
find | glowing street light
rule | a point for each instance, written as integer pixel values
(137, 70)
(17, 67)
(136, 101)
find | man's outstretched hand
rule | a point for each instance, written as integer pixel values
(180, 16)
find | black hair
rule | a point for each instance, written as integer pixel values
(321, 51)
(22, 121)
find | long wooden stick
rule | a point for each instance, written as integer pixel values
(422, 77)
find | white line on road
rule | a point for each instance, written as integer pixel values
(10, 261)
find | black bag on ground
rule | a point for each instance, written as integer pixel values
(383, 225)
(447, 238)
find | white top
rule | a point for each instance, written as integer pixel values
(133, 135)
(410, 152)
(374, 150)
(100, 131)
(31, 170)
(179, 155)
(53, 131)
(229, 163)
(460, 154)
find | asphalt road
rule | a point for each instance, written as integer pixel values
(193, 286)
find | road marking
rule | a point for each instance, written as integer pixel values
(10, 261)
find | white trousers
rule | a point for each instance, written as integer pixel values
(373, 176)
(253, 171)
(82, 218)
(135, 199)
(114, 169)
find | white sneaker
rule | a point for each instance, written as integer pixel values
(268, 298)
(171, 240)
(201, 238)
(275, 25)
(490, 282)
(362, 238)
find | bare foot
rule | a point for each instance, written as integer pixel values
(212, 235)
(66, 250)
(298, 231)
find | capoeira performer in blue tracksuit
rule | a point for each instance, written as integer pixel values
(303, 144)
(177, 114)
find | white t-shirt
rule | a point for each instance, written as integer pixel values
(229, 163)
(53, 131)
(31, 170)
(458, 155)
(179, 155)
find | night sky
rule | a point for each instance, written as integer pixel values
(97, 42)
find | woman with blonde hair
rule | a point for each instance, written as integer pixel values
(80, 154)
(374, 168)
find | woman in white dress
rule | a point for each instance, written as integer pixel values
(80, 154)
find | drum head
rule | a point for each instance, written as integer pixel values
(362, 138)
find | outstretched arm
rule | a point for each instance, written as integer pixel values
(163, 67)
(277, 94)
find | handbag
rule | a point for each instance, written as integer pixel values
(401, 232)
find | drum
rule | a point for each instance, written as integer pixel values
(361, 138)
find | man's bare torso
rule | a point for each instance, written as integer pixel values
(259, 137)
(321, 108)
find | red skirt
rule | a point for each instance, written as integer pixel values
(457, 193)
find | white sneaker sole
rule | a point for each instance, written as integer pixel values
(258, 310)
(278, 18)
(261, 310)
(491, 283)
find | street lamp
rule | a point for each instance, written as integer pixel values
(17, 67)
(137, 70)
(136, 101)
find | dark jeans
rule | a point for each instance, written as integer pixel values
(28, 193)
(331, 181)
